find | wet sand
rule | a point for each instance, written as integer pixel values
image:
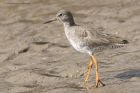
(37, 58)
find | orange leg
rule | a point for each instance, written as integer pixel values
(98, 80)
(89, 69)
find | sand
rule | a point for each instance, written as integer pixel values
(37, 57)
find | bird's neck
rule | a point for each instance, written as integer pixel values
(69, 23)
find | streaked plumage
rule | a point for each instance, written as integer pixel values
(87, 40)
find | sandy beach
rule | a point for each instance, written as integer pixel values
(37, 57)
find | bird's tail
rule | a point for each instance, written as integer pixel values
(123, 42)
(120, 44)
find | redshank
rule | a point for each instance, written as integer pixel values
(87, 40)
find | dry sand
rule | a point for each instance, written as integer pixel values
(37, 58)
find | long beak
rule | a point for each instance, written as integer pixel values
(51, 20)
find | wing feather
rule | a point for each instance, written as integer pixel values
(96, 38)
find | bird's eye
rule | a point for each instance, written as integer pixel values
(60, 15)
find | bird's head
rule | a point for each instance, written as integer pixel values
(63, 16)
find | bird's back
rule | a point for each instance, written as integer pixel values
(88, 40)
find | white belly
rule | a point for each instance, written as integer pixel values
(75, 42)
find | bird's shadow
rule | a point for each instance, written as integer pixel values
(129, 74)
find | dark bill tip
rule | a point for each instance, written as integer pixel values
(51, 20)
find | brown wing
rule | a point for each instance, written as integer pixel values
(113, 39)
(96, 38)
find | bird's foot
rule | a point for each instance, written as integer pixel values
(99, 82)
